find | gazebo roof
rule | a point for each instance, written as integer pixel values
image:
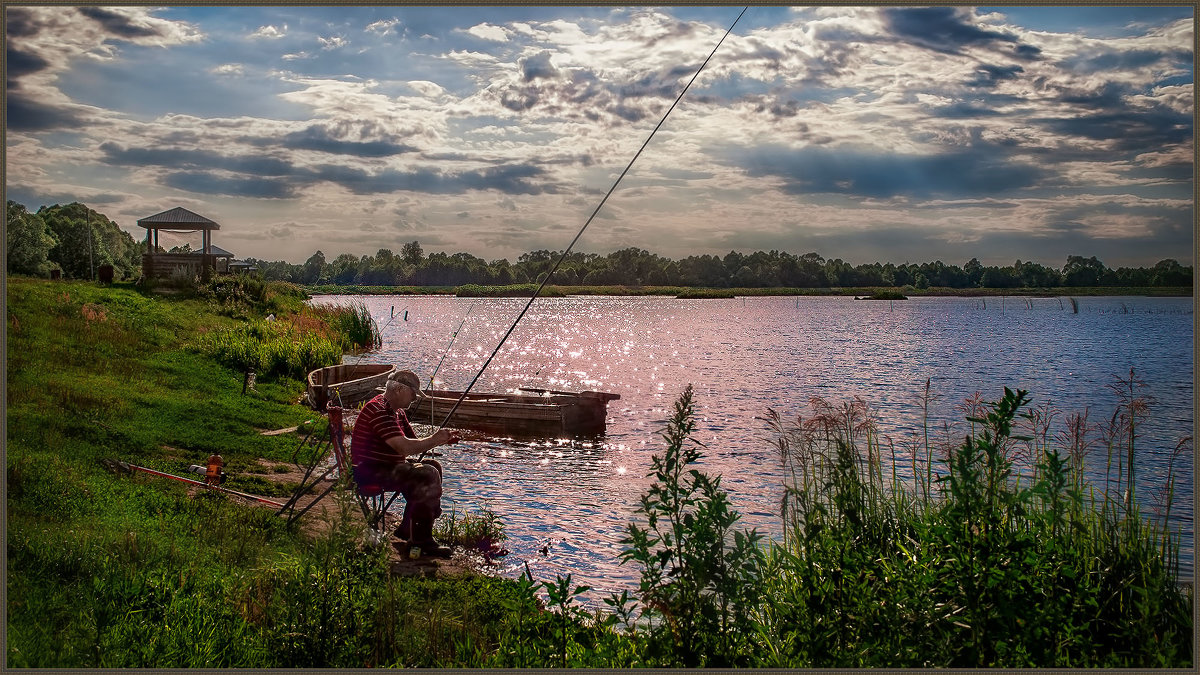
(178, 218)
(219, 252)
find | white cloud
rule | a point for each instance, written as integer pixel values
(228, 69)
(383, 27)
(333, 42)
(270, 32)
(471, 59)
(426, 88)
(486, 31)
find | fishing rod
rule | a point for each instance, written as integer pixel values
(566, 251)
(125, 466)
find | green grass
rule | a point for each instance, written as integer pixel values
(705, 293)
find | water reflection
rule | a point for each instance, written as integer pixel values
(565, 504)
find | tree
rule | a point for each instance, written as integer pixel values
(343, 269)
(704, 270)
(1170, 273)
(314, 268)
(974, 272)
(85, 240)
(1080, 271)
(29, 242)
(999, 277)
(1035, 275)
(412, 253)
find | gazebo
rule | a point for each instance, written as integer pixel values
(158, 264)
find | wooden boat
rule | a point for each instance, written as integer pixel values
(538, 413)
(347, 383)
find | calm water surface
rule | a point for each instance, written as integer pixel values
(745, 355)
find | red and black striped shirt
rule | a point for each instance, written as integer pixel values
(376, 423)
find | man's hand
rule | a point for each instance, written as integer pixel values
(445, 437)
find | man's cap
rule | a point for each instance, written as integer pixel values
(407, 377)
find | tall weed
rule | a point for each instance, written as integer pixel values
(699, 576)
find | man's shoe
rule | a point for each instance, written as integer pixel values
(432, 549)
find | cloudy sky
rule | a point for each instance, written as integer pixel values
(900, 134)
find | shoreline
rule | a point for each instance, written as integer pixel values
(525, 290)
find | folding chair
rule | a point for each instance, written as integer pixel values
(373, 500)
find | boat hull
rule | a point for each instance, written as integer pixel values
(349, 384)
(546, 415)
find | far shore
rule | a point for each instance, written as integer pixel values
(526, 290)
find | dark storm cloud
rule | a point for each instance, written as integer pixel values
(117, 24)
(199, 159)
(19, 23)
(1126, 129)
(19, 63)
(319, 139)
(519, 100)
(1109, 96)
(537, 66)
(1027, 52)
(509, 179)
(240, 186)
(820, 170)
(659, 84)
(941, 29)
(25, 114)
(512, 179)
(963, 110)
(1123, 60)
(581, 94)
(987, 76)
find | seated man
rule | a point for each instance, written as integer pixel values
(381, 445)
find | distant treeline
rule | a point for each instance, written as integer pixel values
(77, 240)
(773, 269)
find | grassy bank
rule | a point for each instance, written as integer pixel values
(554, 290)
(131, 571)
(964, 564)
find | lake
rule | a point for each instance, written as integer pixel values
(565, 504)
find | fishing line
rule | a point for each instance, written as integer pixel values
(453, 337)
(563, 257)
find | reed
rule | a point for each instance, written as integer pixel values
(1012, 562)
(354, 323)
(480, 530)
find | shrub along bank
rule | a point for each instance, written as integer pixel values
(965, 565)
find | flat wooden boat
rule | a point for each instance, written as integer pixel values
(347, 383)
(536, 413)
